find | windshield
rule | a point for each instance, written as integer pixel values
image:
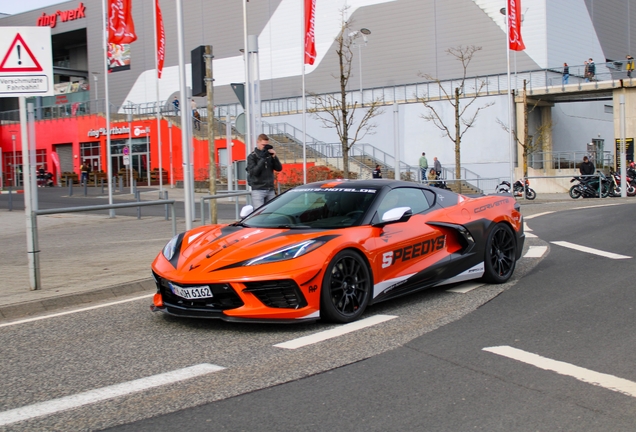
(314, 208)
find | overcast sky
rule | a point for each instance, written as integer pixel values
(18, 6)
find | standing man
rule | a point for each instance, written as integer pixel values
(437, 167)
(85, 169)
(630, 65)
(175, 104)
(377, 172)
(566, 73)
(423, 167)
(591, 69)
(261, 164)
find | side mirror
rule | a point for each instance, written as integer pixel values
(246, 211)
(398, 214)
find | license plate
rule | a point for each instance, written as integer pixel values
(191, 292)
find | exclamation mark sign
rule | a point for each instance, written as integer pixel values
(19, 60)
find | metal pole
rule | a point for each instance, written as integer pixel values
(170, 144)
(185, 119)
(623, 157)
(130, 156)
(31, 230)
(510, 106)
(107, 110)
(31, 143)
(209, 87)
(154, 14)
(396, 139)
(249, 145)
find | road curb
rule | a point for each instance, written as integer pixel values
(52, 304)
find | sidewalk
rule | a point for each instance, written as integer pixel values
(84, 258)
(87, 258)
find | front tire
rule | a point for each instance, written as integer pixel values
(575, 192)
(501, 254)
(346, 288)
(530, 194)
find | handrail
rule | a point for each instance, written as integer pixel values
(112, 206)
(221, 195)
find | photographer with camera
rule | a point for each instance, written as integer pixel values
(261, 164)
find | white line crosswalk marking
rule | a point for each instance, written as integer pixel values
(535, 251)
(104, 393)
(335, 332)
(590, 250)
(607, 381)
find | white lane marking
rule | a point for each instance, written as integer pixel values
(590, 250)
(530, 235)
(465, 287)
(28, 320)
(537, 215)
(104, 393)
(596, 206)
(338, 331)
(535, 251)
(607, 381)
(526, 227)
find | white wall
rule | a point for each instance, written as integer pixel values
(484, 146)
(576, 124)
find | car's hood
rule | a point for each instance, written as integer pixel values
(212, 248)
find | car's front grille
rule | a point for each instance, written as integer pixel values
(277, 294)
(224, 296)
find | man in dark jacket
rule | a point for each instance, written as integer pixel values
(586, 169)
(261, 164)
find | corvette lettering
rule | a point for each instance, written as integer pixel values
(492, 205)
(413, 251)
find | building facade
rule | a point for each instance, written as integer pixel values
(409, 39)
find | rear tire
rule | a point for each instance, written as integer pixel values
(575, 192)
(631, 191)
(346, 288)
(501, 254)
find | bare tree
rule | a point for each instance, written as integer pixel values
(334, 111)
(529, 144)
(462, 118)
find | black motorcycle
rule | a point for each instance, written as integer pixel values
(588, 187)
(518, 190)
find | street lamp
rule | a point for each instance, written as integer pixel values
(364, 32)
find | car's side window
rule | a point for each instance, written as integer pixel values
(404, 197)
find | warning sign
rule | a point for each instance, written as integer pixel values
(26, 62)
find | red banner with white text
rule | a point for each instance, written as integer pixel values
(310, 36)
(161, 40)
(121, 28)
(515, 42)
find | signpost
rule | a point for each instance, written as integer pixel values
(26, 70)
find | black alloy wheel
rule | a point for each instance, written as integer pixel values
(500, 257)
(346, 288)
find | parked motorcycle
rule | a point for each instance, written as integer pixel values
(589, 187)
(519, 189)
(615, 185)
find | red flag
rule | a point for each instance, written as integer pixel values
(121, 28)
(161, 40)
(514, 26)
(310, 36)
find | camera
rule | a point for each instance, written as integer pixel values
(268, 147)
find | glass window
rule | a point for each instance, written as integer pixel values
(403, 197)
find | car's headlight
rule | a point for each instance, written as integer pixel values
(287, 253)
(170, 248)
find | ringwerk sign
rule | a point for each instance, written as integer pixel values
(26, 62)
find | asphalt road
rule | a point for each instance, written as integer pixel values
(424, 369)
(573, 307)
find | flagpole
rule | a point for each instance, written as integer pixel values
(302, 57)
(156, 4)
(510, 104)
(107, 111)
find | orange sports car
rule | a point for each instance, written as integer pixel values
(329, 249)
